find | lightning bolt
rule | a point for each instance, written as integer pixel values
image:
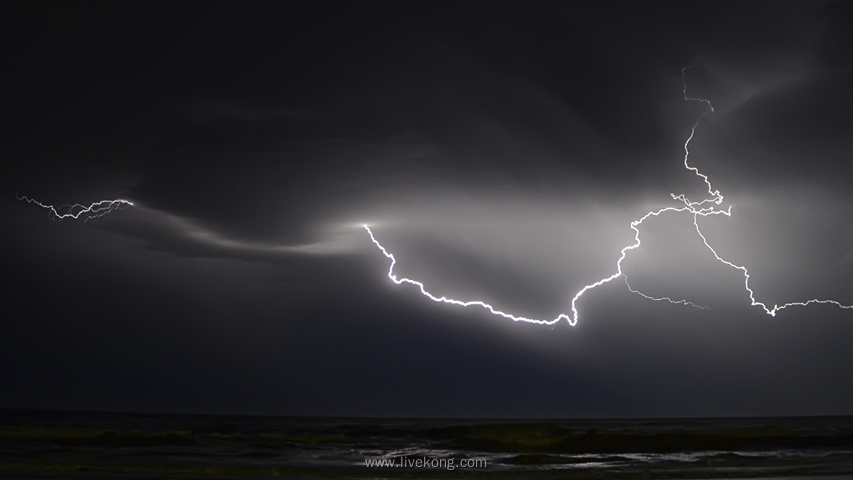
(703, 208)
(76, 211)
(471, 303)
(754, 302)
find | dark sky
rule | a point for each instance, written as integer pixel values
(499, 150)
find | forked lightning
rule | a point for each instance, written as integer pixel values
(702, 208)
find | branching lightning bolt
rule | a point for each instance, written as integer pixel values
(703, 208)
(76, 211)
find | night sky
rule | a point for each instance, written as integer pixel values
(499, 150)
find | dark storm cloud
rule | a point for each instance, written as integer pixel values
(452, 102)
(499, 151)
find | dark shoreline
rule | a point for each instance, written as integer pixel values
(57, 444)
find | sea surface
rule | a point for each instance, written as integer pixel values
(40, 444)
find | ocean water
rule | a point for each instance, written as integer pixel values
(38, 444)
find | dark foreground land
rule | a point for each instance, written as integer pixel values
(36, 444)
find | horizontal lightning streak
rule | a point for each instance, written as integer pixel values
(75, 211)
(696, 208)
(660, 299)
